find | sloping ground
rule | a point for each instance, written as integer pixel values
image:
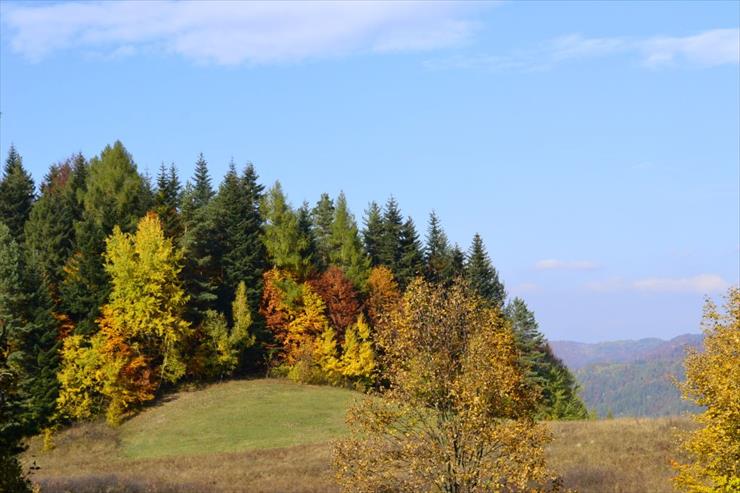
(273, 435)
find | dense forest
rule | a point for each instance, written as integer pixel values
(115, 288)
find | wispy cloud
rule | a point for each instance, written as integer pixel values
(706, 49)
(554, 264)
(701, 284)
(230, 33)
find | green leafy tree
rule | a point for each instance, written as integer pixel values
(115, 195)
(286, 246)
(347, 252)
(16, 195)
(438, 254)
(558, 388)
(482, 275)
(372, 232)
(322, 216)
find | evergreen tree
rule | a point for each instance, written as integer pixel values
(372, 232)
(558, 387)
(115, 194)
(308, 239)
(238, 222)
(202, 245)
(167, 201)
(482, 276)
(16, 195)
(390, 248)
(458, 261)
(346, 247)
(286, 246)
(49, 231)
(411, 263)
(438, 255)
(29, 335)
(322, 216)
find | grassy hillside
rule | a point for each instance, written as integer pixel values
(272, 435)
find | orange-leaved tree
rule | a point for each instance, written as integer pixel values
(456, 415)
(713, 382)
(141, 332)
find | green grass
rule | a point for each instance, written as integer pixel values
(275, 436)
(237, 416)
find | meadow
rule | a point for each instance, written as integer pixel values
(274, 435)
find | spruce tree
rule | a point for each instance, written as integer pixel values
(390, 248)
(558, 387)
(49, 231)
(29, 335)
(322, 216)
(346, 247)
(308, 239)
(457, 258)
(202, 245)
(438, 254)
(16, 195)
(238, 221)
(482, 276)
(167, 201)
(115, 195)
(372, 232)
(412, 257)
(286, 247)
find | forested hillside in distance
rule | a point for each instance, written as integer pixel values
(630, 378)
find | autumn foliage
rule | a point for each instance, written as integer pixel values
(457, 413)
(713, 382)
(339, 295)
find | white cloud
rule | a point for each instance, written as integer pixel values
(553, 264)
(707, 49)
(701, 284)
(229, 32)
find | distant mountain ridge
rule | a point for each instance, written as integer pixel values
(576, 355)
(630, 378)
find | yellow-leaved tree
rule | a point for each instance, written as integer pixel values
(138, 346)
(358, 356)
(456, 415)
(713, 382)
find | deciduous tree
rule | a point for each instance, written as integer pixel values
(713, 382)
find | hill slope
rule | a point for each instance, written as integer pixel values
(630, 378)
(274, 436)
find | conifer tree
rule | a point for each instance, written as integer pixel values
(49, 231)
(286, 247)
(438, 254)
(202, 244)
(28, 333)
(322, 216)
(167, 201)
(346, 247)
(372, 232)
(482, 275)
(390, 243)
(16, 195)
(458, 261)
(308, 239)
(115, 195)
(238, 221)
(559, 390)
(412, 258)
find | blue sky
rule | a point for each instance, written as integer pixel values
(594, 146)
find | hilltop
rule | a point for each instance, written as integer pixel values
(630, 378)
(274, 435)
